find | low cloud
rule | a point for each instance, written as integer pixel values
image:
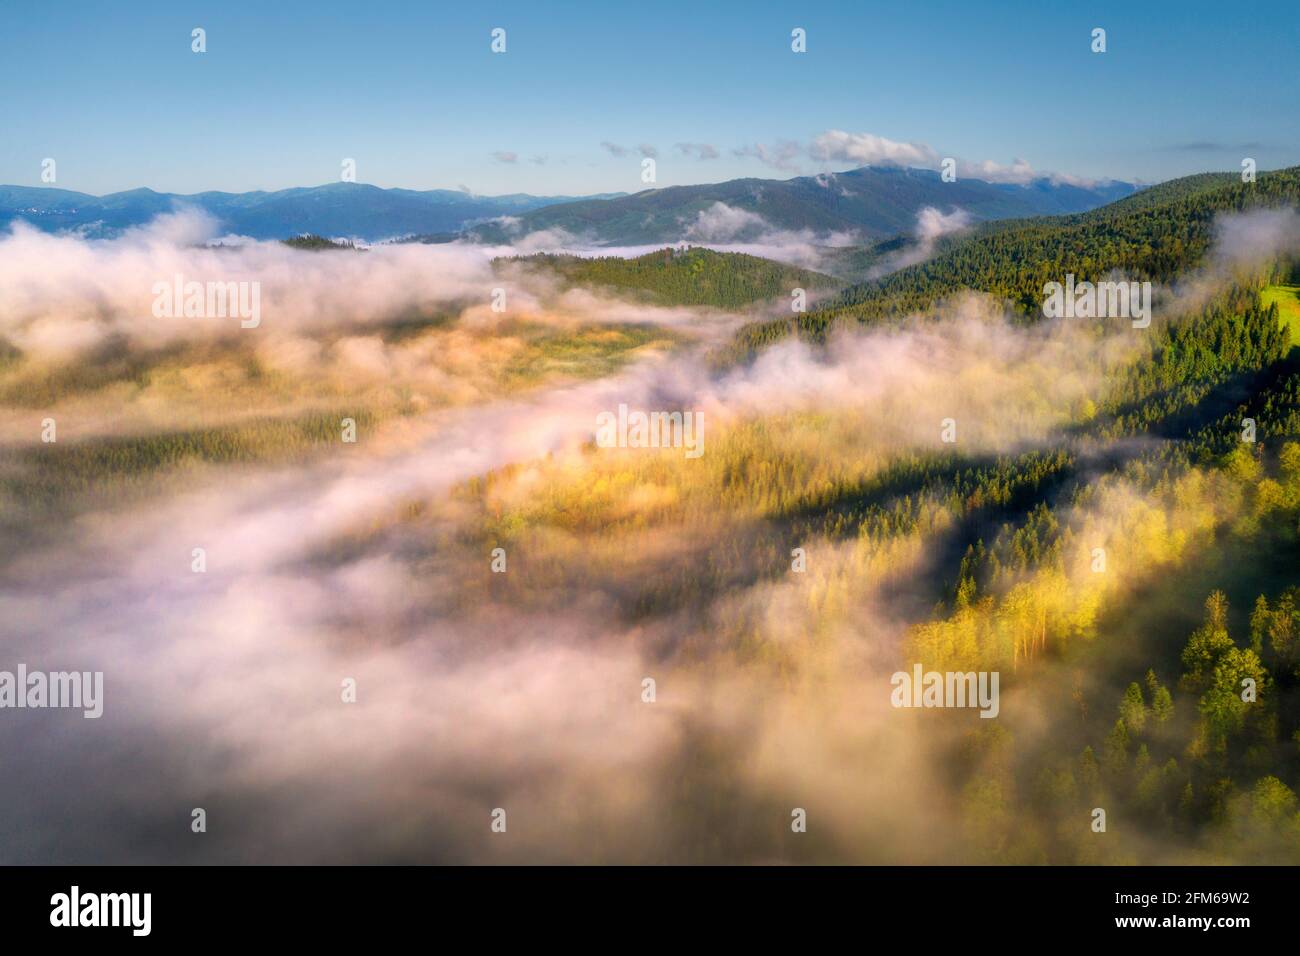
(1020, 173)
(721, 227)
(1251, 238)
(729, 229)
(223, 689)
(723, 223)
(931, 226)
(931, 223)
(868, 149)
(60, 292)
(1242, 243)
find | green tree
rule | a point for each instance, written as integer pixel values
(1162, 704)
(1222, 705)
(1115, 751)
(1208, 643)
(1260, 618)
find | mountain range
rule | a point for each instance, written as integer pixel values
(867, 203)
(353, 210)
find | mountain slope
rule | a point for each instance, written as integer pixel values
(873, 202)
(1154, 237)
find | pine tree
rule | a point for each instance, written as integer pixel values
(1259, 622)
(1133, 710)
(1089, 772)
(1162, 705)
(1116, 748)
(1208, 643)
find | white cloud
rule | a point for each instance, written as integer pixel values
(781, 156)
(931, 224)
(868, 149)
(545, 240)
(1019, 171)
(722, 223)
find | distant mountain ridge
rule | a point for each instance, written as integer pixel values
(865, 204)
(871, 202)
(355, 210)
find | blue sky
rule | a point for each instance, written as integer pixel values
(412, 92)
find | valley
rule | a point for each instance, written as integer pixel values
(922, 472)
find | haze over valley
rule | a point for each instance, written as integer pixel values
(745, 459)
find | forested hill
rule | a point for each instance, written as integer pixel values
(1173, 189)
(691, 276)
(1155, 235)
(1169, 698)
